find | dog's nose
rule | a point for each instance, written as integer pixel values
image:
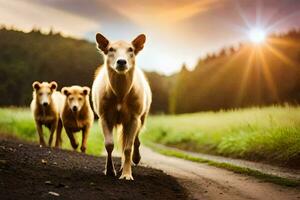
(45, 104)
(121, 65)
(121, 62)
(74, 108)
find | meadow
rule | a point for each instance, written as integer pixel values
(269, 134)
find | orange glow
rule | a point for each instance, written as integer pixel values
(160, 12)
(280, 55)
(267, 75)
(244, 79)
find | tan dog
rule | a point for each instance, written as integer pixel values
(77, 114)
(121, 96)
(45, 107)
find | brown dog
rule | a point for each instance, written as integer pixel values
(77, 114)
(45, 107)
(121, 96)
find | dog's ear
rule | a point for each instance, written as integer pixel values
(102, 43)
(36, 85)
(138, 43)
(86, 90)
(53, 85)
(65, 91)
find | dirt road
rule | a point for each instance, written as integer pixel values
(30, 172)
(206, 182)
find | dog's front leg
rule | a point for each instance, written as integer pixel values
(58, 134)
(72, 138)
(109, 146)
(129, 132)
(52, 130)
(39, 129)
(85, 132)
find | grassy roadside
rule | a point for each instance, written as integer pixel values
(19, 123)
(237, 169)
(269, 134)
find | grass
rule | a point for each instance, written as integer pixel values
(240, 170)
(270, 134)
(19, 123)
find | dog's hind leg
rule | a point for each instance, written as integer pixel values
(109, 146)
(136, 157)
(129, 133)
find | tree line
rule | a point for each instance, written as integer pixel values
(234, 77)
(250, 75)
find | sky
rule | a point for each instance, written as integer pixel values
(178, 31)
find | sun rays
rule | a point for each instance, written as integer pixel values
(259, 60)
(262, 50)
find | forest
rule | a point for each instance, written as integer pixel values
(243, 76)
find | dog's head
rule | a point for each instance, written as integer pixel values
(120, 56)
(43, 92)
(76, 97)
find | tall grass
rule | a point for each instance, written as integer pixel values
(269, 134)
(19, 123)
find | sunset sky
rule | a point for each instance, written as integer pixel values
(178, 31)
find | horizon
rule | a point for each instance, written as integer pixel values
(205, 26)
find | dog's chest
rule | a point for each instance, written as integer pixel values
(74, 123)
(45, 116)
(117, 112)
(45, 119)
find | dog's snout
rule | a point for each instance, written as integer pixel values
(121, 65)
(121, 62)
(45, 104)
(74, 108)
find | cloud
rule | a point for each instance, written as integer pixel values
(156, 13)
(26, 15)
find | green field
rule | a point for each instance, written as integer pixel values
(270, 134)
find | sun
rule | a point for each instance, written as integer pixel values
(257, 35)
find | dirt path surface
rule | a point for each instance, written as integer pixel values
(262, 167)
(30, 172)
(206, 182)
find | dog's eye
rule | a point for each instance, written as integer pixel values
(48, 93)
(40, 94)
(71, 98)
(130, 49)
(80, 99)
(111, 49)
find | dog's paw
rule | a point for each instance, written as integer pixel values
(126, 177)
(83, 149)
(43, 143)
(110, 172)
(136, 158)
(75, 146)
